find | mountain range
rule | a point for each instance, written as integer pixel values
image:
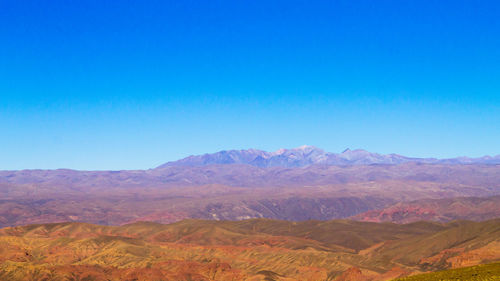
(239, 191)
(256, 216)
(223, 186)
(310, 155)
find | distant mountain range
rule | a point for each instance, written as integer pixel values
(309, 155)
(291, 184)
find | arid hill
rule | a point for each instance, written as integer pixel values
(258, 249)
(444, 210)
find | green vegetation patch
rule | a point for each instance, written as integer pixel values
(483, 272)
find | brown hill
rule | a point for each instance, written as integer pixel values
(444, 210)
(258, 249)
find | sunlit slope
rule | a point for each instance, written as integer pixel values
(258, 249)
(484, 272)
(443, 245)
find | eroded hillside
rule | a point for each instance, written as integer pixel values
(257, 249)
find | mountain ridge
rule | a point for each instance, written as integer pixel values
(307, 155)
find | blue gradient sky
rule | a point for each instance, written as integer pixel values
(130, 85)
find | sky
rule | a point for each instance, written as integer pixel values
(98, 85)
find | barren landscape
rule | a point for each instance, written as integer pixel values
(253, 140)
(257, 249)
(225, 190)
(237, 221)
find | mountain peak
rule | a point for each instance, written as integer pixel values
(304, 147)
(308, 148)
(307, 155)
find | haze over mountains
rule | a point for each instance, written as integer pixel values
(309, 155)
(293, 184)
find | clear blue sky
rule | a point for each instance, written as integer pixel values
(132, 84)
